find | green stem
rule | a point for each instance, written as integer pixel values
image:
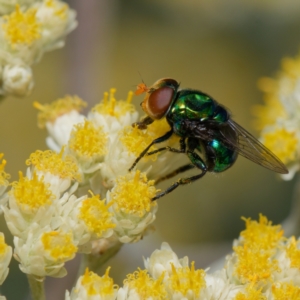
(95, 262)
(37, 288)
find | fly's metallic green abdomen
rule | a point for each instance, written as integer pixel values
(224, 157)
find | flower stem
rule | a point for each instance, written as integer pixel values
(37, 288)
(95, 262)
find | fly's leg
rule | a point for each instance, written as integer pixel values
(181, 150)
(197, 162)
(143, 123)
(175, 172)
(156, 141)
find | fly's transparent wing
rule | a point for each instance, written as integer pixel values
(248, 146)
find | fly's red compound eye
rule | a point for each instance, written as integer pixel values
(158, 102)
(160, 97)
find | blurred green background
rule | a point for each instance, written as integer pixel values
(220, 47)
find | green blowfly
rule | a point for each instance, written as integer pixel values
(208, 135)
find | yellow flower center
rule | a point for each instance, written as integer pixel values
(87, 141)
(96, 285)
(49, 161)
(21, 28)
(110, 106)
(136, 140)
(31, 194)
(283, 143)
(3, 175)
(261, 234)
(293, 253)
(3, 246)
(254, 264)
(187, 279)
(251, 294)
(50, 112)
(95, 214)
(60, 9)
(59, 245)
(284, 291)
(145, 286)
(133, 194)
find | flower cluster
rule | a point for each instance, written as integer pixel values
(104, 145)
(28, 29)
(82, 197)
(49, 223)
(279, 118)
(264, 265)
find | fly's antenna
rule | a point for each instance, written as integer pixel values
(141, 87)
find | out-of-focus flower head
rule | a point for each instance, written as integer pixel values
(5, 257)
(27, 31)
(3, 181)
(279, 119)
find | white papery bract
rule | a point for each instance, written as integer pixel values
(17, 80)
(161, 261)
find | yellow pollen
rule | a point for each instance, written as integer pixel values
(95, 214)
(88, 141)
(145, 286)
(282, 143)
(59, 10)
(3, 245)
(291, 67)
(136, 140)
(254, 264)
(261, 234)
(285, 291)
(50, 112)
(187, 279)
(56, 164)
(110, 106)
(31, 194)
(293, 253)
(59, 245)
(96, 285)
(158, 128)
(133, 194)
(21, 28)
(3, 175)
(251, 294)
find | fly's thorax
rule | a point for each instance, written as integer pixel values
(192, 105)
